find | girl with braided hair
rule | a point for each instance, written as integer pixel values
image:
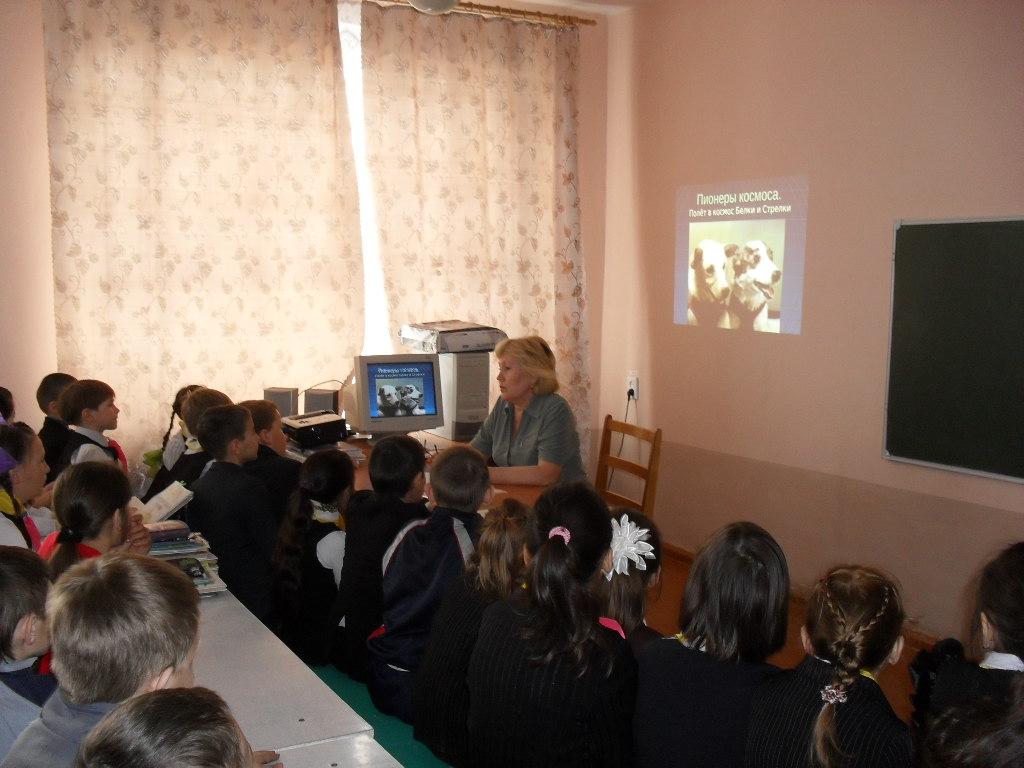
(830, 710)
(310, 552)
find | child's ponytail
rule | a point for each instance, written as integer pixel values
(854, 618)
(179, 400)
(574, 531)
(324, 479)
(86, 498)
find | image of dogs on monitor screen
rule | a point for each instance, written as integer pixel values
(400, 397)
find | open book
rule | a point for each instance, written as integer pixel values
(164, 504)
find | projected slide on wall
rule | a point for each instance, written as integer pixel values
(740, 254)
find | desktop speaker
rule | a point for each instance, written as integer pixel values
(322, 400)
(285, 398)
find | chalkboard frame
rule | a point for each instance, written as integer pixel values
(888, 450)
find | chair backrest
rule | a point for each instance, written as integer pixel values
(648, 474)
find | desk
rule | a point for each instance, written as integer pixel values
(527, 494)
(277, 700)
(351, 752)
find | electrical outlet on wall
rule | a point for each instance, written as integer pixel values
(633, 385)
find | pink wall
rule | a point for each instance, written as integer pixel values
(893, 110)
(28, 335)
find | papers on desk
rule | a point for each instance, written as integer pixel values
(293, 451)
(164, 504)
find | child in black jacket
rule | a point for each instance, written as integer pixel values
(372, 520)
(425, 557)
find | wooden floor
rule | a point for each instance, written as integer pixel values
(663, 615)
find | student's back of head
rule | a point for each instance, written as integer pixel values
(854, 621)
(459, 478)
(327, 479)
(220, 425)
(982, 733)
(87, 499)
(119, 623)
(197, 404)
(180, 397)
(6, 404)
(999, 604)
(636, 565)
(737, 595)
(50, 389)
(186, 727)
(574, 531)
(24, 583)
(81, 395)
(395, 464)
(498, 565)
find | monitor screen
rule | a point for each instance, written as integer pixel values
(400, 389)
(394, 393)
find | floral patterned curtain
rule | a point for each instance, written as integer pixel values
(205, 217)
(471, 138)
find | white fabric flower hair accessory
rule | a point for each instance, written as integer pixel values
(629, 543)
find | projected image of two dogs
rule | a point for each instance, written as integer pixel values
(734, 286)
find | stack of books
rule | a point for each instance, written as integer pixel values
(175, 543)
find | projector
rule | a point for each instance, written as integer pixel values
(450, 336)
(311, 430)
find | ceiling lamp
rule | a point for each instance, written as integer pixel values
(434, 7)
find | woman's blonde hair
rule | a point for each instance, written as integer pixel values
(535, 357)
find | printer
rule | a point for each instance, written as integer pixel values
(311, 430)
(450, 336)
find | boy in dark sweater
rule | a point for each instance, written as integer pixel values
(232, 509)
(425, 557)
(372, 520)
(55, 432)
(24, 582)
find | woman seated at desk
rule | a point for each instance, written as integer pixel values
(530, 435)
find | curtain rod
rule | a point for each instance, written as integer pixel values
(494, 11)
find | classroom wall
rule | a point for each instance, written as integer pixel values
(893, 110)
(27, 330)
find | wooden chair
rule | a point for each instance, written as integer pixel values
(649, 474)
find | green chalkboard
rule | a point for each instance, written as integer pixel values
(956, 357)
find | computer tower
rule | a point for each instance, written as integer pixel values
(285, 398)
(321, 400)
(465, 392)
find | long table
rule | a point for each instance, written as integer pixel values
(432, 444)
(278, 701)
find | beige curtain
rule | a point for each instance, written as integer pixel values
(471, 141)
(205, 218)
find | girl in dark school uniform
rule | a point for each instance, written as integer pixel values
(310, 552)
(695, 689)
(551, 681)
(973, 713)
(440, 701)
(830, 710)
(636, 568)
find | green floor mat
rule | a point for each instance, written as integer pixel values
(390, 732)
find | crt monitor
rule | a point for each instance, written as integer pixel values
(394, 394)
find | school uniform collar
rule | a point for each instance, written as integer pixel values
(324, 513)
(92, 434)
(7, 666)
(1005, 661)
